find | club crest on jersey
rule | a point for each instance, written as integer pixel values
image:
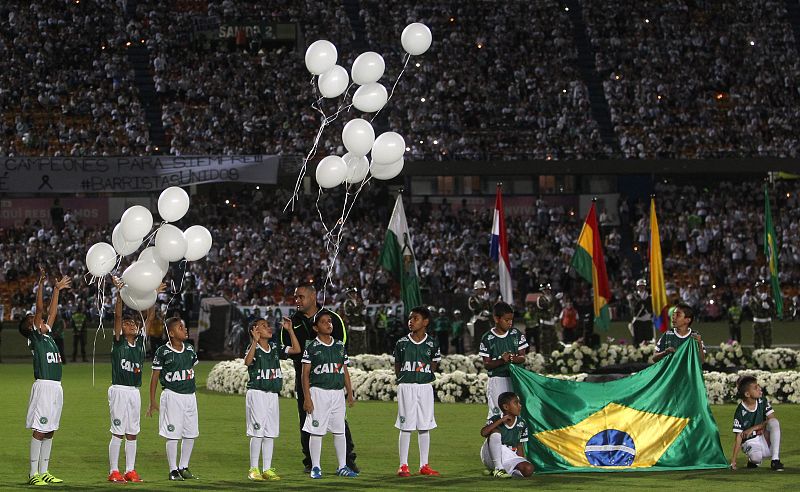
(256, 426)
(315, 423)
(130, 366)
(416, 366)
(182, 375)
(117, 422)
(43, 420)
(329, 368)
(171, 428)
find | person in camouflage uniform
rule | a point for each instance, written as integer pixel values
(480, 305)
(442, 328)
(457, 332)
(546, 308)
(353, 310)
(641, 310)
(735, 322)
(762, 307)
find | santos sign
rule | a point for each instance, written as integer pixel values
(127, 174)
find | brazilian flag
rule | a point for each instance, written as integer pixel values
(655, 420)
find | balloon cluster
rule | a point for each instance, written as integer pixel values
(143, 277)
(358, 136)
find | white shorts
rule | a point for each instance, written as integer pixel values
(177, 417)
(415, 407)
(125, 405)
(328, 414)
(757, 449)
(509, 460)
(494, 388)
(262, 413)
(44, 406)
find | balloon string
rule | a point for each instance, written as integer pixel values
(405, 64)
(174, 292)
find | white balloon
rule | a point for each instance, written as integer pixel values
(136, 222)
(333, 82)
(367, 68)
(150, 254)
(321, 56)
(170, 243)
(100, 259)
(358, 136)
(123, 247)
(357, 167)
(388, 147)
(370, 97)
(142, 276)
(198, 241)
(386, 171)
(331, 171)
(138, 301)
(173, 203)
(416, 38)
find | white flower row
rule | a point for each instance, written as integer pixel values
(459, 386)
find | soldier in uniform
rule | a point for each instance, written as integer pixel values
(763, 307)
(735, 322)
(480, 305)
(546, 308)
(641, 325)
(442, 328)
(353, 310)
(457, 332)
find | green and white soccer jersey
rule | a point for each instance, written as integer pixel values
(127, 361)
(493, 346)
(327, 364)
(672, 339)
(511, 436)
(46, 357)
(416, 359)
(744, 418)
(177, 368)
(265, 370)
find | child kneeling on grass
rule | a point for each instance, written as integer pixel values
(753, 416)
(502, 452)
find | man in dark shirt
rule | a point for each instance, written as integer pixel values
(302, 322)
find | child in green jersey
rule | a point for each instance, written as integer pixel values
(47, 397)
(501, 346)
(752, 418)
(173, 366)
(262, 412)
(681, 321)
(502, 453)
(324, 376)
(124, 400)
(416, 358)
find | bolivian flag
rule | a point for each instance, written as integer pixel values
(655, 420)
(589, 263)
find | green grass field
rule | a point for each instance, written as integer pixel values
(220, 455)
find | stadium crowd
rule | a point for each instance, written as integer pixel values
(698, 79)
(499, 92)
(712, 249)
(66, 88)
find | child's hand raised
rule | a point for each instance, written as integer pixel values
(64, 283)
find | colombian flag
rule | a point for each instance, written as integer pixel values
(658, 292)
(589, 263)
(655, 420)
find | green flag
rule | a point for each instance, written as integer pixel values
(654, 420)
(397, 257)
(771, 252)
